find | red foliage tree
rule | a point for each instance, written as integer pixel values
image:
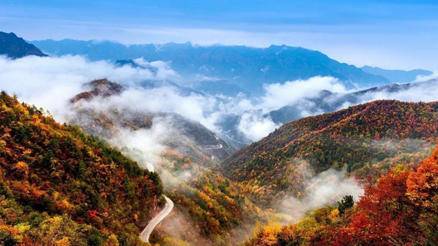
(401, 209)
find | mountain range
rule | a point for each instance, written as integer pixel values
(327, 101)
(399, 76)
(99, 179)
(218, 69)
(211, 67)
(15, 47)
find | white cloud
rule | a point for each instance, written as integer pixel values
(291, 92)
(326, 188)
(421, 93)
(143, 145)
(49, 82)
(162, 70)
(255, 126)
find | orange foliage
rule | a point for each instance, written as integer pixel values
(400, 209)
(56, 169)
(363, 139)
(423, 183)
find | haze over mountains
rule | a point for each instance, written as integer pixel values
(327, 101)
(398, 76)
(233, 159)
(231, 69)
(188, 137)
(351, 138)
(247, 117)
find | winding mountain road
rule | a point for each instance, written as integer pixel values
(146, 233)
(213, 147)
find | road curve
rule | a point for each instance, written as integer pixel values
(146, 233)
(213, 147)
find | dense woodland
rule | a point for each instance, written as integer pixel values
(60, 186)
(214, 204)
(63, 185)
(400, 209)
(366, 140)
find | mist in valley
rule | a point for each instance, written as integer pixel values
(140, 120)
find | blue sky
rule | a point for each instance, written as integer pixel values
(392, 34)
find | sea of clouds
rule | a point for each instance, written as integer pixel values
(50, 82)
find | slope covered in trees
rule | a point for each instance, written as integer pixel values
(213, 204)
(362, 139)
(400, 209)
(59, 186)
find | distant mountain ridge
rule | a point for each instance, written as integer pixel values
(247, 67)
(399, 76)
(16, 47)
(328, 101)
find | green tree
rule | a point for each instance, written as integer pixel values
(346, 203)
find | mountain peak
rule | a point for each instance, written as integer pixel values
(15, 47)
(98, 87)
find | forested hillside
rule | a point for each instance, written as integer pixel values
(400, 209)
(362, 139)
(60, 186)
(213, 204)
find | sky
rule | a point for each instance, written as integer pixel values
(391, 34)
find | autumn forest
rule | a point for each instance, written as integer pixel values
(222, 123)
